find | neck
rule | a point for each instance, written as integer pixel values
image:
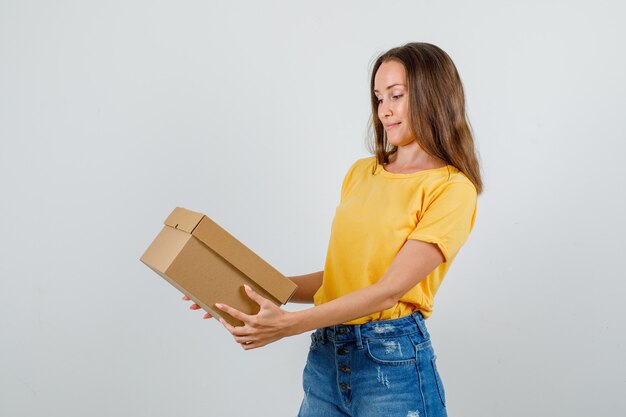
(413, 155)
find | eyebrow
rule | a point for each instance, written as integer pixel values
(392, 85)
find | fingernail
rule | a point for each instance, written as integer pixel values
(247, 287)
(218, 305)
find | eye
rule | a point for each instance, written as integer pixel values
(398, 96)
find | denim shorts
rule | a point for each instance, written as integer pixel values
(379, 369)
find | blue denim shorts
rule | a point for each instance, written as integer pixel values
(382, 368)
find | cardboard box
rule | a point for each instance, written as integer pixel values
(210, 266)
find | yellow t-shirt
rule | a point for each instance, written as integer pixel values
(375, 217)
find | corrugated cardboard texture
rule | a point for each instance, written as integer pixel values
(238, 255)
(209, 265)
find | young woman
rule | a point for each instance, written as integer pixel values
(403, 215)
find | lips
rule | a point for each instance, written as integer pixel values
(391, 125)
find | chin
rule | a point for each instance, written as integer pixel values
(401, 142)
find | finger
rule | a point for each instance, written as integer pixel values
(252, 345)
(254, 296)
(234, 312)
(228, 326)
(241, 331)
(237, 331)
(243, 337)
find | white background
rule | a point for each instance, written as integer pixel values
(113, 113)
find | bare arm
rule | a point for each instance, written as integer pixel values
(307, 287)
(412, 264)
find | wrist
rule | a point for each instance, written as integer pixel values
(294, 323)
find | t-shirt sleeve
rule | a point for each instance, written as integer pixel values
(448, 219)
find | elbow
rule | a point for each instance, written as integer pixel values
(389, 299)
(388, 303)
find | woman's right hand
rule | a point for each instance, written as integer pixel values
(195, 306)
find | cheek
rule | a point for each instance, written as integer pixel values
(403, 111)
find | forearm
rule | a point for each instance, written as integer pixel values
(412, 264)
(308, 285)
(351, 306)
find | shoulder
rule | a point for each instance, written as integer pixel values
(451, 187)
(361, 166)
(453, 179)
(357, 173)
(364, 163)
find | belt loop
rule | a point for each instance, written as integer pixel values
(420, 323)
(357, 336)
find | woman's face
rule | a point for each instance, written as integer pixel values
(390, 87)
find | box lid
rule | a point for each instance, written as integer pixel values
(233, 251)
(183, 219)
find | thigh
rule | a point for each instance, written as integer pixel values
(431, 383)
(394, 377)
(319, 381)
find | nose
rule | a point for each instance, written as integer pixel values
(384, 110)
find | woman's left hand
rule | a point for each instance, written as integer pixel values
(270, 324)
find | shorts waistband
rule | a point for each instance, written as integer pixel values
(376, 329)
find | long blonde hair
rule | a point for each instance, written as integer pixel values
(437, 109)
